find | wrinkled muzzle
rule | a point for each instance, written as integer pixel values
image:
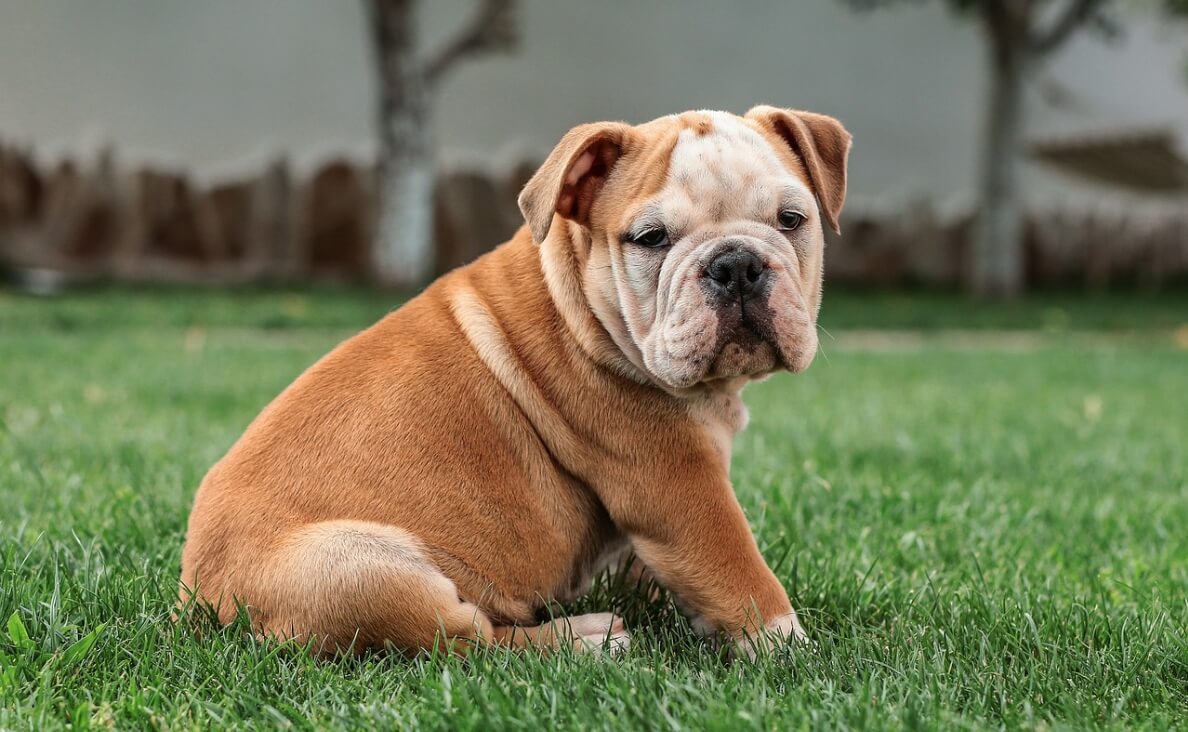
(734, 307)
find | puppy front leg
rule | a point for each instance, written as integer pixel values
(696, 540)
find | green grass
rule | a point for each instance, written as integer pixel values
(333, 307)
(977, 537)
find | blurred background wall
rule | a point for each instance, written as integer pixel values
(222, 89)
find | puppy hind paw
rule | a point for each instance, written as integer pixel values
(599, 633)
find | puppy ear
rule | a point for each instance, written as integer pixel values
(571, 176)
(822, 143)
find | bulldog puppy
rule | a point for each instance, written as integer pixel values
(564, 401)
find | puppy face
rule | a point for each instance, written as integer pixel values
(698, 239)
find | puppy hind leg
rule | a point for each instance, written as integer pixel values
(357, 585)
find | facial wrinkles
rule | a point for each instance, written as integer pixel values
(609, 308)
(633, 307)
(680, 274)
(679, 323)
(640, 298)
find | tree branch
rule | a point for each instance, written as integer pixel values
(997, 18)
(492, 28)
(1008, 23)
(1077, 14)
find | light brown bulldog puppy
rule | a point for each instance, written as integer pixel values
(530, 418)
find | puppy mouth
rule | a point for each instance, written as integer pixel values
(746, 344)
(744, 329)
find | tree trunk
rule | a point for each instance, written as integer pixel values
(997, 256)
(402, 255)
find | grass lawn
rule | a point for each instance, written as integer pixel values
(979, 533)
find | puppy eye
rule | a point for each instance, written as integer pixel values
(650, 238)
(790, 220)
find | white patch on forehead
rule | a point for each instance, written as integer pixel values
(731, 169)
(730, 139)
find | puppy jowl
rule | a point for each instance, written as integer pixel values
(661, 268)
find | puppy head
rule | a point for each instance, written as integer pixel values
(696, 240)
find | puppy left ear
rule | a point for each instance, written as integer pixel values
(822, 144)
(571, 176)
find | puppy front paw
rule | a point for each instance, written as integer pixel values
(776, 632)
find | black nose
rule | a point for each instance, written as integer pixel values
(736, 272)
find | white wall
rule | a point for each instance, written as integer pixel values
(219, 83)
